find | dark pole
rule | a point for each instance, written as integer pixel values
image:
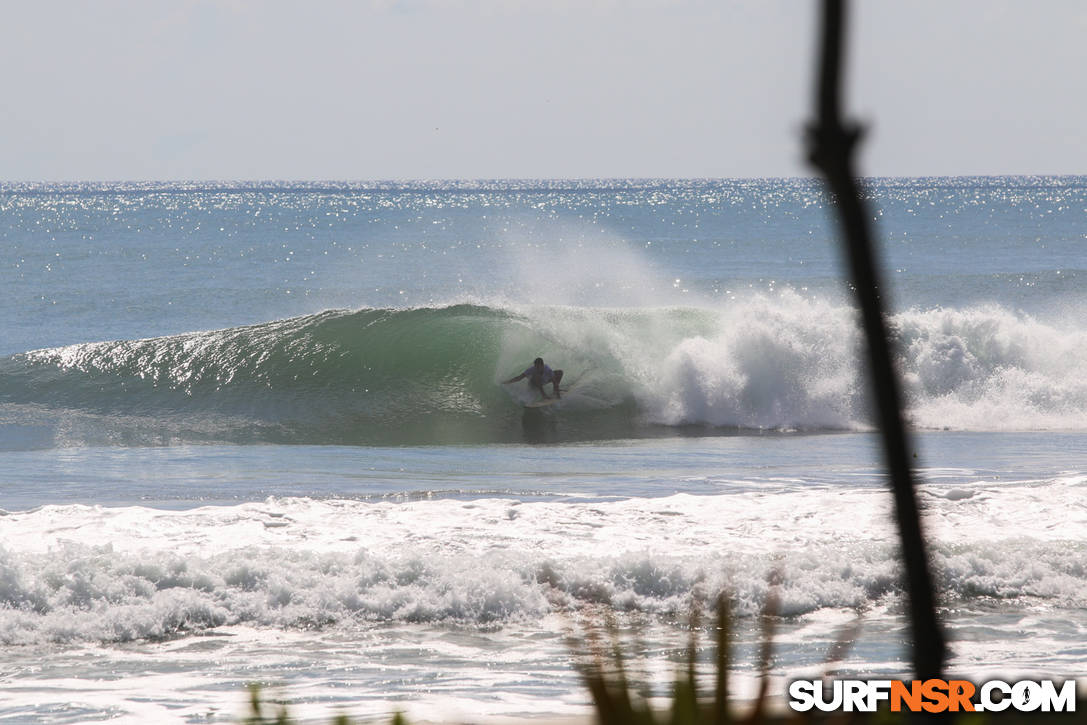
(831, 143)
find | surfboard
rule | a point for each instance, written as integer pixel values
(541, 402)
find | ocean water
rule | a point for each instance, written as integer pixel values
(255, 432)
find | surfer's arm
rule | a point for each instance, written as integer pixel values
(514, 380)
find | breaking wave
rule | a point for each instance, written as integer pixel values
(431, 375)
(101, 574)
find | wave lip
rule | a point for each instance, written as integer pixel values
(366, 376)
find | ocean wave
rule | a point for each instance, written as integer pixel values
(431, 375)
(98, 574)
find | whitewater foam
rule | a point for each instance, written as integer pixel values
(988, 368)
(90, 573)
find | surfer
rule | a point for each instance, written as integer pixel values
(538, 376)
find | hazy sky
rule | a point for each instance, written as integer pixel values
(341, 89)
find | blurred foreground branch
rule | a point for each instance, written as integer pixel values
(831, 145)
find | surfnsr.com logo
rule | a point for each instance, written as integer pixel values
(932, 696)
